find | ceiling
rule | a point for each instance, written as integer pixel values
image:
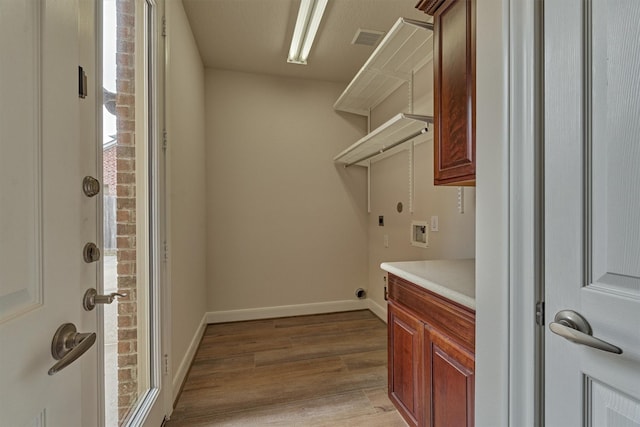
(254, 35)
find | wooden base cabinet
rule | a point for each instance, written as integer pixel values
(406, 340)
(449, 381)
(431, 357)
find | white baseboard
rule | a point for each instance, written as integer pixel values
(378, 310)
(185, 363)
(285, 311)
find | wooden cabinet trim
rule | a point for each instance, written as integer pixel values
(429, 6)
(453, 319)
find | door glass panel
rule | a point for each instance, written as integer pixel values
(126, 183)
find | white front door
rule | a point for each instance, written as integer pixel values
(47, 147)
(592, 211)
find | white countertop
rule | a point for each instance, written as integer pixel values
(453, 279)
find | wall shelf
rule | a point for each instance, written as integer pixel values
(405, 48)
(398, 130)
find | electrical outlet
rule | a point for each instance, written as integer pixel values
(386, 240)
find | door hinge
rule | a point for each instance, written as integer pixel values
(164, 26)
(165, 251)
(540, 313)
(166, 364)
(164, 140)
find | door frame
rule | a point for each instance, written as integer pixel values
(509, 213)
(158, 407)
(156, 404)
(526, 221)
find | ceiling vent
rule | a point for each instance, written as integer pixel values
(367, 37)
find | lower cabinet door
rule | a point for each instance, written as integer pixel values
(449, 377)
(406, 340)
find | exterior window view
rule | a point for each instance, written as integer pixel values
(303, 213)
(124, 337)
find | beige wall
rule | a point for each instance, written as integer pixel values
(285, 225)
(264, 216)
(390, 185)
(186, 185)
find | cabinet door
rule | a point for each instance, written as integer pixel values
(406, 335)
(449, 377)
(454, 93)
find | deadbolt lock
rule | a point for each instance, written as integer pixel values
(91, 253)
(90, 186)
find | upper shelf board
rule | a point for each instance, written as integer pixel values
(405, 48)
(399, 129)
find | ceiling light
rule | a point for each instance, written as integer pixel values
(307, 24)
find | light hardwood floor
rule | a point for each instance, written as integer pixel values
(321, 370)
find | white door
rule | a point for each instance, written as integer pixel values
(592, 211)
(47, 147)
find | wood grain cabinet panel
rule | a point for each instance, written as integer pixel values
(449, 381)
(405, 364)
(431, 357)
(454, 70)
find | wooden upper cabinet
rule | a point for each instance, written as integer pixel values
(454, 70)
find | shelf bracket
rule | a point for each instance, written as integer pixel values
(411, 148)
(411, 93)
(369, 187)
(411, 176)
(369, 166)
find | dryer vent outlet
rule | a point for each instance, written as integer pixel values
(361, 293)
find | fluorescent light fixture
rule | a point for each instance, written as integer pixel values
(309, 17)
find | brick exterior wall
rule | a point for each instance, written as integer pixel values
(109, 170)
(126, 208)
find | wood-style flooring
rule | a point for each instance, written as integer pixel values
(321, 370)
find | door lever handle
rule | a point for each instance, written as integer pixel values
(572, 326)
(68, 344)
(91, 298)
